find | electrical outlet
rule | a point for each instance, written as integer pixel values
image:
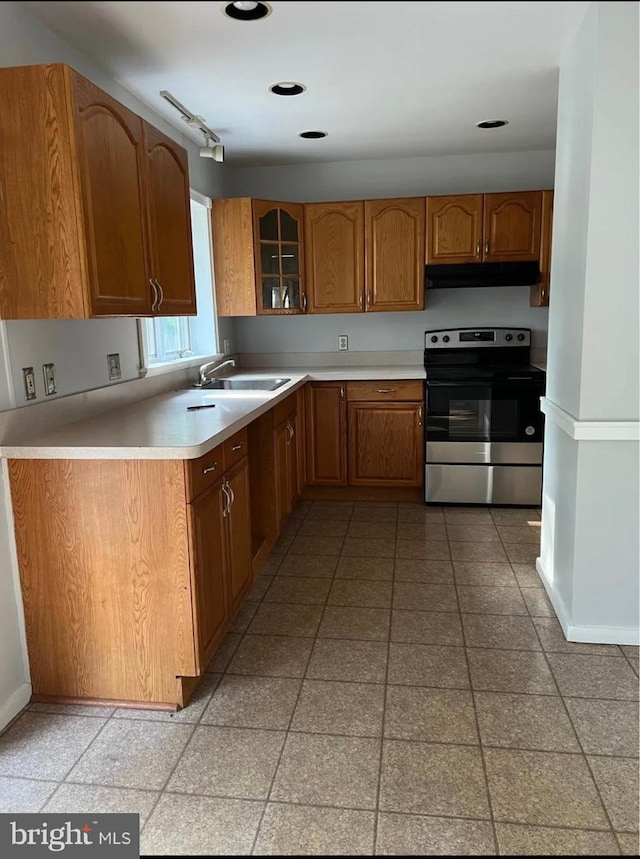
(49, 373)
(29, 383)
(113, 362)
(227, 347)
(343, 343)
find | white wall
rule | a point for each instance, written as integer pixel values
(590, 554)
(355, 180)
(395, 331)
(401, 177)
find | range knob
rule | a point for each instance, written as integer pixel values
(445, 339)
(509, 338)
(434, 339)
(521, 337)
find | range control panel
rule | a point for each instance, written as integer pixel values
(459, 338)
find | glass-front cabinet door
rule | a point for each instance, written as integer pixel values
(279, 257)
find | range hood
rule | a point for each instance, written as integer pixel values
(478, 274)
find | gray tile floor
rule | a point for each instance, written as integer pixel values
(396, 683)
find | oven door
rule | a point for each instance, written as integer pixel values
(495, 415)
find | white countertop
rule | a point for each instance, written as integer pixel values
(161, 427)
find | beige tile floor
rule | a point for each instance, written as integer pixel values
(396, 683)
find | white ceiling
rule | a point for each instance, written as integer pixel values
(385, 79)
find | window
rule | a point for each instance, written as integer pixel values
(166, 339)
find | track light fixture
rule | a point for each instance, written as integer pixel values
(213, 148)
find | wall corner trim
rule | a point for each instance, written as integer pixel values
(585, 634)
(590, 430)
(15, 705)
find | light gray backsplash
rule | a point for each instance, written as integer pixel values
(370, 332)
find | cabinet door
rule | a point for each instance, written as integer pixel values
(540, 291)
(112, 181)
(394, 242)
(326, 431)
(454, 229)
(334, 244)
(512, 226)
(292, 456)
(282, 441)
(210, 561)
(239, 531)
(279, 250)
(386, 444)
(170, 224)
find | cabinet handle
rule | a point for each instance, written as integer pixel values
(232, 496)
(159, 285)
(368, 300)
(225, 512)
(478, 249)
(209, 468)
(155, 295)
(238, 446)
(386, 390)
(304, 303)
(360, 300)
(291, 432)
(420, 416)
(486, 248)
(342, 393)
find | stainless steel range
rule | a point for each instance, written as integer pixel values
(484, 427)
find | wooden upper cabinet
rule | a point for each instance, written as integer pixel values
(279, 249)
(539, 296)
(87, 216)
(111, 161)
(258, 257)
(512, 226)
(395, 241)
(334, 246)
(454, 229)
(326, 441)
(169, 206)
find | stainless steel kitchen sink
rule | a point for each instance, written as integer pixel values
(267, 384)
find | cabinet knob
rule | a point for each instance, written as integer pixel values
(209, 468)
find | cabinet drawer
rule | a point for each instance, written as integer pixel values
(235, 448)
(282, 410)
(202, 473)
(387, 390)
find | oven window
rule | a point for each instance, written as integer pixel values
(478, 416)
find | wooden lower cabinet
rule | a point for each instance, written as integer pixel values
(238, 533)
(385, 444)
(326, 434)
(210, 569)
(129, 582)
(285, 439)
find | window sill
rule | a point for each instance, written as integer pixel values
(180, 364)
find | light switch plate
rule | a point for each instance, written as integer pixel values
(113, 362)
(49, 373)
(29, 383)
(343, 343)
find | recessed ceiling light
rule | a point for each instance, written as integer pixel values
(247, 11)
(287, 88)
(313, 135)
(492, 123)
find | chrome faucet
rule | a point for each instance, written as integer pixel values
(206, 370)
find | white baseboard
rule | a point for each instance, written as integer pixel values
(585, 634)
(14, 706)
